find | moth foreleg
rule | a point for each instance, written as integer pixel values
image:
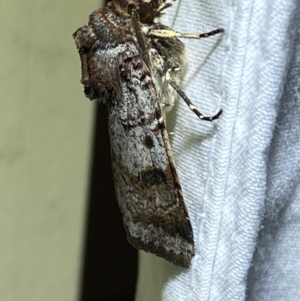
(170, 33)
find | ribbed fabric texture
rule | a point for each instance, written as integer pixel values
(240, 174)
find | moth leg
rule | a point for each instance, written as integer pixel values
(170, 33)
(188, 102)
(165, 5)
(165, 72)
(159, 68)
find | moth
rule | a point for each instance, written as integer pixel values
(132, 63)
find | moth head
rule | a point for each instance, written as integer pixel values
(148, 10)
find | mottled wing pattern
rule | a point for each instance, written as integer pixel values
(146, 182)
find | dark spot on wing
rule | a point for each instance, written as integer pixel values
(153, 176)
(149, 141)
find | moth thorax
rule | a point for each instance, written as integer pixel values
(147, 9)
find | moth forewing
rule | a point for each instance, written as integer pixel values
(132, 63)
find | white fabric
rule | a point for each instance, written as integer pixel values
(241, 174)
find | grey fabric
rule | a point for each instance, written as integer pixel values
(275, 272)
(240, 175)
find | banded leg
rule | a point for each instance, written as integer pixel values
(164, 69)
(189, 103)
(170, 33)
